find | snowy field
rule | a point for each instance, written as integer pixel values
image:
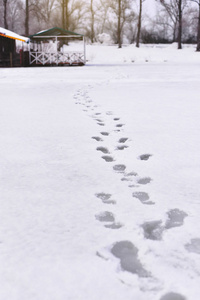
(100, 172)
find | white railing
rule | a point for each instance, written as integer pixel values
(59, 58)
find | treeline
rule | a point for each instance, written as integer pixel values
(112, 21)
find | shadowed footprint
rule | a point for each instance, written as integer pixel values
(104, 133)
(194, 246)
(123, 140)
(100, 124)
(108, 158)
(121, 147)
(119, 168)
(145, 156)
(175, 218)
(143, 197)
(172, 296)
(97, 114)
(144, 180)
(97, 138)
(119, 125)
(113, 225)
(131, 174)
(116, 119)
(128, 255)
(153, 230)
(103, 149)
(105, 216)
(105, 198)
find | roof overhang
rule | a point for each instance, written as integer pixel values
(12, 35)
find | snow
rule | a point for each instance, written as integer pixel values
(76, 226)
(13, 35)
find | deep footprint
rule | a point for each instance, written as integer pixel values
(103, 149)
(105, 133)
(113, 225)
(108, 158)
(173, 296)
(128, 255)
(175, 218)
(144, 180)
(153, 230)
(145, 156)
(121, 147)
(119, 125)
(97, 138)
(105, 198)
(123, 140)
(119, 168)
(143, 197)
(105, 216)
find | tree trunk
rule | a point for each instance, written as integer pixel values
(139, 25)
(198, 34)
(27, 19)
(180, 24)
(63, 14)
(5, 14)
(119, 25)
(67, 15)
(92, 21)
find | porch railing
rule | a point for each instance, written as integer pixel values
(59, 58)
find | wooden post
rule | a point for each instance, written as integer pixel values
(11, 60)
(84, 50)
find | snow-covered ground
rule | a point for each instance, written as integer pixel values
(100, 172)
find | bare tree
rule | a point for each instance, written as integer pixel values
(5, 13)
(175, 8)
(119, 29)
(139, 24)
(27, 19)
(198, 26)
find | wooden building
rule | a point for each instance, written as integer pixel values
(57, 46)
(12, 55)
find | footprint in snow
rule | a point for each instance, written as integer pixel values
(105, 198)
(143, 197)
(108, 217)
(122, 140)
(128, 256)
(121, 147)
(144, 180)
(108, 158)
(153, 230)
(103, 149)
(97, 138)
(119, 125)
(116, 119)
(175, 218)
(105, 133)
(105, 216)
(173, 296)
(100, 124)
(119, 168)
(144, 156)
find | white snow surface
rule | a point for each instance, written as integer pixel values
(54, 243)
